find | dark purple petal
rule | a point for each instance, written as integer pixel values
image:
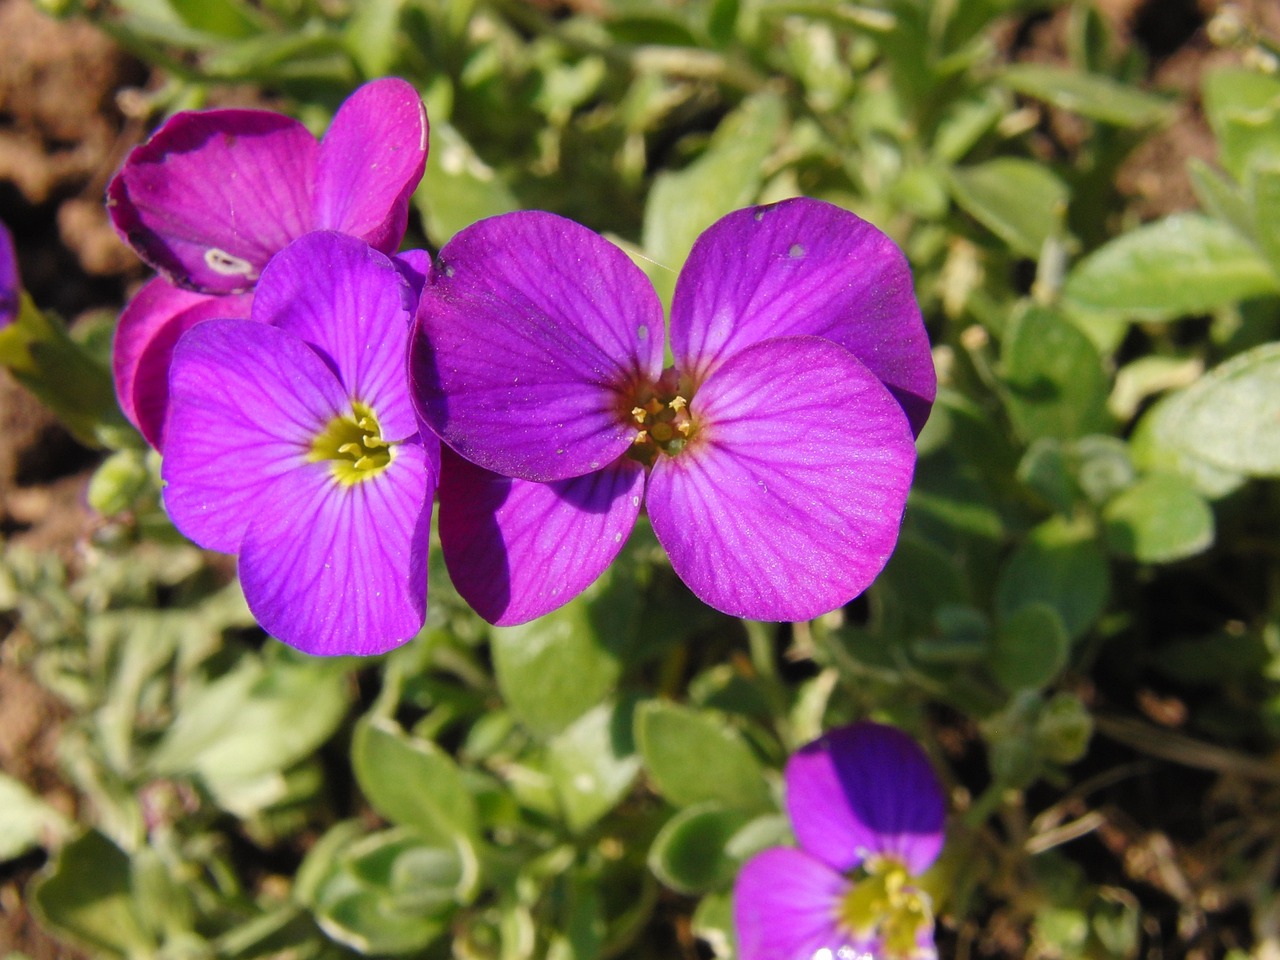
(517, 549)
(149, 329)
(866, 790)
(10, 283)
(370, 162)
(785, 907)
(351, 303)
(246, 400)
(532, 333)
(334, 569)
(787, 501)
(803, 268)
(213, 194)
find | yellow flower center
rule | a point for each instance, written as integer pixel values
(886, 905)
(353, 446)
(662, 419)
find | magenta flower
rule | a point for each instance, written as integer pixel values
(868, 811)
(10, 283)
(774, 457)
(292, 441)
(214, 194)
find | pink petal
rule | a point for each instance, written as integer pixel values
(803, 267)
(787, 501)
(149, 329)
(246, 400)
(214, 194)
(785, 907)
(517, 549)
(370, 162)
(337, 570)
(532, 332)
(352, 305)
(866, 790)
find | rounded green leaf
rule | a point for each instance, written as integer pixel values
(688, 854)
(1021, 202)
(1056, 383)
(1231, 417)
(1030, 648)
(1186, 263)
(1060, 565)
(695, 757)
(1159, 519)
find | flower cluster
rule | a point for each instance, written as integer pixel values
(867, 811)
(300, 376)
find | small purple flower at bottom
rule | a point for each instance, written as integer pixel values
(9, 282)
(291, 441)
(867, 811)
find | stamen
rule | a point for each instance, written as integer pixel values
(639, 413)
(353, 446)
(678, 403)
(641, 438)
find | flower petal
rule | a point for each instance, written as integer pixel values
(803, 267)
(214, 193)
(787, 501)
(785, 907)
(352, 305)
(149, 329)
(334, 569)
(517, 549)
(245, 402)
(370, 161)
(531, 331)
(866, 790)
(10, 284)
(415, 266)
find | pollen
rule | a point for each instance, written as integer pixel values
(661, 414)
(353, 446)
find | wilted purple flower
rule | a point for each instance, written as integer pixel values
(292, 441)
(774, 458)
(10, 284)
(868, 811)
(214, 194)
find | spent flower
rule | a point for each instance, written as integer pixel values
(773, 458)
(867, 811)
(292, 442)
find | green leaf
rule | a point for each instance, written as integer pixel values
(1057, 387)
(554, 669)
(695, 757)
(458, 188)
(725, 178)
(260, 717)
(1230, 417)
(1060, 565)
(593, 763)
(1243, 108)
(411, 781)
(1158, 444)
(1220, 196)
(372, 35)
(391, 893)
(1021, 202)
(1264, 200)
(689, 855)
(26, 821)
(1030, 648)
(1182, 264)
(713, 923)
(1099, 98)
(87, 897)
(1159, 519)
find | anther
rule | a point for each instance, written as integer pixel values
(351, 449)
(641, 438)
(639, 413)
(364, 463)
(678, 403)
(372, 442)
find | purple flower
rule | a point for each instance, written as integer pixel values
(774, 457)
(868, 811)
(10, 283)
(214, 194)
(292, 441)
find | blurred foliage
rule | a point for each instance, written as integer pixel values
(1094, 521)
